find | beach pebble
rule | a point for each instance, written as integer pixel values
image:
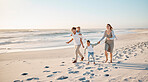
(46, 66)
(106, 75)
(24, 73)
(100, 68)
(63, 62)
(62, 78)
(125, 59)
(81, 79)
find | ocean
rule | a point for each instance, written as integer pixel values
(31, 40)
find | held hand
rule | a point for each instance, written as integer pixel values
(67, 42)
(108, 39)
(83, 46)
(99, 42)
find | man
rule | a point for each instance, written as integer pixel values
(77, 42)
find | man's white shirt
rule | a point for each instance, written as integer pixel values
(76, 37)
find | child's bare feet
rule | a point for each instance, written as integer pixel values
(94, 62)
(88, 62)
(106, 60)
(111, 61)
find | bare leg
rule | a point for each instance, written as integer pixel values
(106, 56)
(110, 57)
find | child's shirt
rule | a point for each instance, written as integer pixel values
(90, 48)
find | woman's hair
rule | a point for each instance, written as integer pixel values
(111, 28)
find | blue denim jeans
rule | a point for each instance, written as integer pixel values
(92, 54)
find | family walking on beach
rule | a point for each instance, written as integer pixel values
(77, 38)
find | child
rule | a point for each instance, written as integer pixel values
(77, 42)
(90, 50)
(78, 31)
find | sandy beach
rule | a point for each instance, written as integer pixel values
(130, 63)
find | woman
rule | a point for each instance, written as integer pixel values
(109, 42)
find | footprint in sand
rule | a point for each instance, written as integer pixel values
(18, 81)
(86, 73)
(34, 78)
(88, 67)
(105, 70)
(46, 71)
(81, 79)
(106, 75)
(100, 69)
(119, 62)
(46, 67)
(73, 72)
(24, 74)
(56, 72)
(62, 65)
(50, 75)
(62, 78)
(86, 81)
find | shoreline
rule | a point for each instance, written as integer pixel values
(7, 50)
(129, 60)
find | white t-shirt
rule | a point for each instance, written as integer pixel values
(76, 37)
(90, 48)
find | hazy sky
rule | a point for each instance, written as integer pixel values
(68, 13)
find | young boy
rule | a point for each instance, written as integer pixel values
(77, 31)
(77, 42)
(90, 50)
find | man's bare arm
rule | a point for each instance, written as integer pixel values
(69, 41)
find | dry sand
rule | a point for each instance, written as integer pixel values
(130, 63)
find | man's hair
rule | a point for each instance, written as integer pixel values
(88, 41)
(73, 28)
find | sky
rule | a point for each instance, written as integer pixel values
(64, 14)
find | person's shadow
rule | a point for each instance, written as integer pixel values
(134, 66)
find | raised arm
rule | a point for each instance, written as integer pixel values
(113, 36)
(69, 41)
(94, 44)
